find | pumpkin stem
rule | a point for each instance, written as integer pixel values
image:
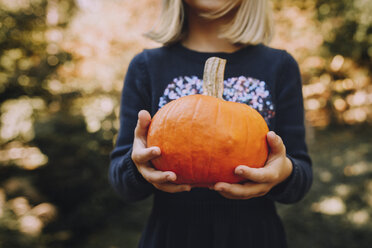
(213, 77)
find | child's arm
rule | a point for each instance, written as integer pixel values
(291, 128)
(131, 173)
(123, 174)
(287, 175)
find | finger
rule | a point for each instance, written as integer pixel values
(143, 155)
(155, 176)
(275, 143)
(229, 196)
(242, 191)
(172, 188)
(233, 197)
(259, 175)
(144, 120)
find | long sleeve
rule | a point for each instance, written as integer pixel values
(123, 174)
(290, 127)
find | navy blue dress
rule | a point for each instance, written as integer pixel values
(268, 80)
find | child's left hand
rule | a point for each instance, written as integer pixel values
(261, 180)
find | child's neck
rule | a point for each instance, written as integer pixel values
(202, 35)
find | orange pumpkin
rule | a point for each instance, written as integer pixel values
(203, 138)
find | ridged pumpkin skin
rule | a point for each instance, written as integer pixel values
(203, 139)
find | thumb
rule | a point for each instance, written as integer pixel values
(275, 143)
(144, 120)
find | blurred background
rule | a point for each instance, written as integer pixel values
(62, 64)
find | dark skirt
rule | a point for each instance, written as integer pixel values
(203, 219)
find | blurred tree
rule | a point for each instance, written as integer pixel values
(53, 186)
(349, 28)
(332, 42)
(347, 32)
(29, 59)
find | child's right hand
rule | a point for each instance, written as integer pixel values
(141, 156)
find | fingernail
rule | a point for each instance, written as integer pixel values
(170, 178)
(239, 171)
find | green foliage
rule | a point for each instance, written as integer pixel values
(351, 33)
(62, 187)
(332, 41)
(26, 64)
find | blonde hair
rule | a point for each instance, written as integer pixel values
(252, 23)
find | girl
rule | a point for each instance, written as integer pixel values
(226, 215)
